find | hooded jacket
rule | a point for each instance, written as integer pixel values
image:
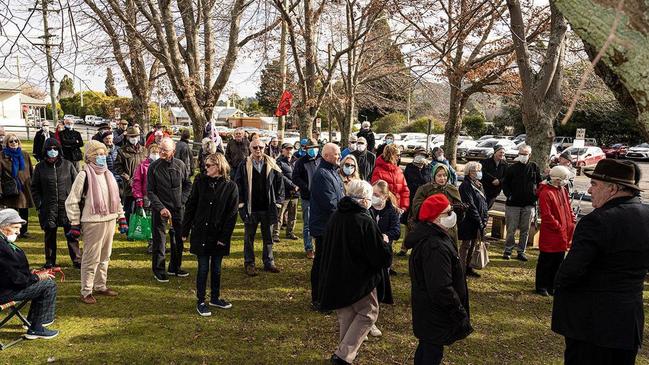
(210, 215)
(557, 219)
(393, 175)
(184, 154)
(51, 185)
(353, 256)
(439, 294)
(274, 187)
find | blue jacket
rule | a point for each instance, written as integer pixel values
(388, 221)
(453, 176)
(326, 191)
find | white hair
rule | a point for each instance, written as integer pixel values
(359, 190)
(167, 141)
(365, 124)
(560, 173)
(471, 166)
(525, 147)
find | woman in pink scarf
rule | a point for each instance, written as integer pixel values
(93, 207)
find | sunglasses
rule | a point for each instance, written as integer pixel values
(208, 165)
(349, 165)
(52, 149)
(257, 147)
(13, 141)
(361, 143)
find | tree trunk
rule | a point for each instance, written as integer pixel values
(142, 112)
(454, 124)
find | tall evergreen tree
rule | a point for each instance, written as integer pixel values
(111, 90)
(270, 88)
(66, 88)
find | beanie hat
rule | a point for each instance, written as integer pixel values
(498, 147)
(106, 134)
(566, 155)
(433, 207)
(92, 147)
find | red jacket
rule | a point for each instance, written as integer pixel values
(393, 175)
(557, 219)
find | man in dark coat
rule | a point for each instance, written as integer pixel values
(39, 140)
(417, 173)
(598, 304)
(303, 172)
(353, 254)
(168, 189)
(439, 295)
(493, 174)
(365, 158)
(101, 129)
(128, 158)
(366, 132)
(261, 193)
(71, 143)
(291, 194)
(237, 150)
(326, 191)
(519, 186)
(51, 185)
(184, 151)
(119, 134)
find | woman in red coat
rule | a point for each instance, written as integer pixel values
(386, 168)
(557, 226)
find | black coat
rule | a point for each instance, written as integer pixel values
(274, 187)
(71, 142)
(168, 185)
(369, 137)
(184, 154)
(598, 288)
(366, 161)
(51, 185)
(520, 184)
(290, 191)
(415, 177)
(39, 142)
(491, 172)
(476, 213)
(440, 299)
(303, 172)
(14, 270)
(210, 215)
(389, 225)
(353, 256)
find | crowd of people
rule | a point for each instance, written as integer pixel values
(355, 204)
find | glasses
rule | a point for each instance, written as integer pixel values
(208, 165)
(52, 149)
(353, 142)
(349, 165)
(13, 141)
(257, 148)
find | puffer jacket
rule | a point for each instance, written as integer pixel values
(51, 185)
(139, 179)
(393, 175)
(128, 158)
(557, 219)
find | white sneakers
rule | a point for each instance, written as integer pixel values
(375, 331)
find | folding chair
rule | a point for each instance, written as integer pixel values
(14, 310)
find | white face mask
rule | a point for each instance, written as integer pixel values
(440, 158)
(12, 237)
(522, 158)
(46, 129)
(377, 202)
(419, 159)
(352, 147)
(154, 156)
(134, 140)
(448, 221)
(361, 147)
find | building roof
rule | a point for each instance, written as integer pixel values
(10, 85)
(24, 99)
(269, 120)
(179, 112)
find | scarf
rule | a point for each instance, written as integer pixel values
(17, 163)
(477, 185)
(95, 197)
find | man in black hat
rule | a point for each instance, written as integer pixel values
(103, 127)
(598, 304)
(493, 174)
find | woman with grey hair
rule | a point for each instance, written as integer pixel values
(472, 227)
(354, 255)
(18, 283)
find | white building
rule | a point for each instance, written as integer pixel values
(220, 115)
(16, 108)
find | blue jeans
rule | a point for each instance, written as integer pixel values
(205, 265)
(306, 212)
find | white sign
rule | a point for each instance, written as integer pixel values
(117, 114)
(581, 133)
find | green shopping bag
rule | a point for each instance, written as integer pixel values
(139, 226)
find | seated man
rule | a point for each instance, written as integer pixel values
(18, 283)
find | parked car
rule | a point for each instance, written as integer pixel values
(639, 152)
(69, 116)
(463, 147)
(511, 154)
(520, 138)
(584, 156)
(486, 148)
(617, 150)
(561, 142)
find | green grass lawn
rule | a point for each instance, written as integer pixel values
(271, 321)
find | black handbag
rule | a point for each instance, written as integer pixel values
(9, 185)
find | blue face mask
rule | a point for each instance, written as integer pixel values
(313, 152)
(52, 153)
(68, 126)
(389, 141)
(348, 170)
(478, 175)
(100, 161)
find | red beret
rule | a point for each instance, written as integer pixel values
(432, 207)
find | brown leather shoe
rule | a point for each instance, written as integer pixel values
(88, 299)
(108, 292)
(250, 270)
(271, 268)
(310, 255)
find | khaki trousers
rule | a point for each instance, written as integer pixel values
(355, 322)
(97, 247)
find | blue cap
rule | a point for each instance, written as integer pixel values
(304, 141)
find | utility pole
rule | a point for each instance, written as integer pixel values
(329, 121)
(282, 69)
(409, 96)
(81, 90)
(48, 56)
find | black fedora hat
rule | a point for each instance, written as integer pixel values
(614, 171)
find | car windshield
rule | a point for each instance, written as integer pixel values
(488, 144)
(577, 151)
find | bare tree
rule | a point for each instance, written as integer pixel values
(468, 41)
(541, 87)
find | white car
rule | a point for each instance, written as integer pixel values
(485, 149)
(639, 152)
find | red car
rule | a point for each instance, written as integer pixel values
(617, 150)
